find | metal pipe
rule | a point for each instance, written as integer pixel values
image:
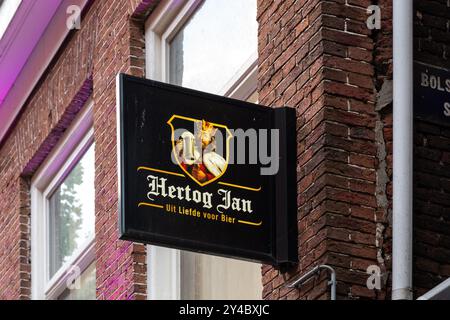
(403, 150)
(315, 271)
(332, 282)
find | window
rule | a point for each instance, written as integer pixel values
(63, 218)
(213, 45)
(208, 45)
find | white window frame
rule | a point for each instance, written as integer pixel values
(74, 143)
(440, 292)
(164, 278)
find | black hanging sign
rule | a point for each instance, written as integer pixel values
(206, 173)
(432, 93)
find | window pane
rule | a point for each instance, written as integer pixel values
(214, 45)
(206, 277)
(86, 290)
(71, 213)
(254, 97)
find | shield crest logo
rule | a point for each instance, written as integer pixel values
(200, 148)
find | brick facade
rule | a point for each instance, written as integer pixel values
(317, 56)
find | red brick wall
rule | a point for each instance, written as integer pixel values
(111, 40)
(341, 86)
(432, 147)
(317, 56)
(121, 267)
(384, 136)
